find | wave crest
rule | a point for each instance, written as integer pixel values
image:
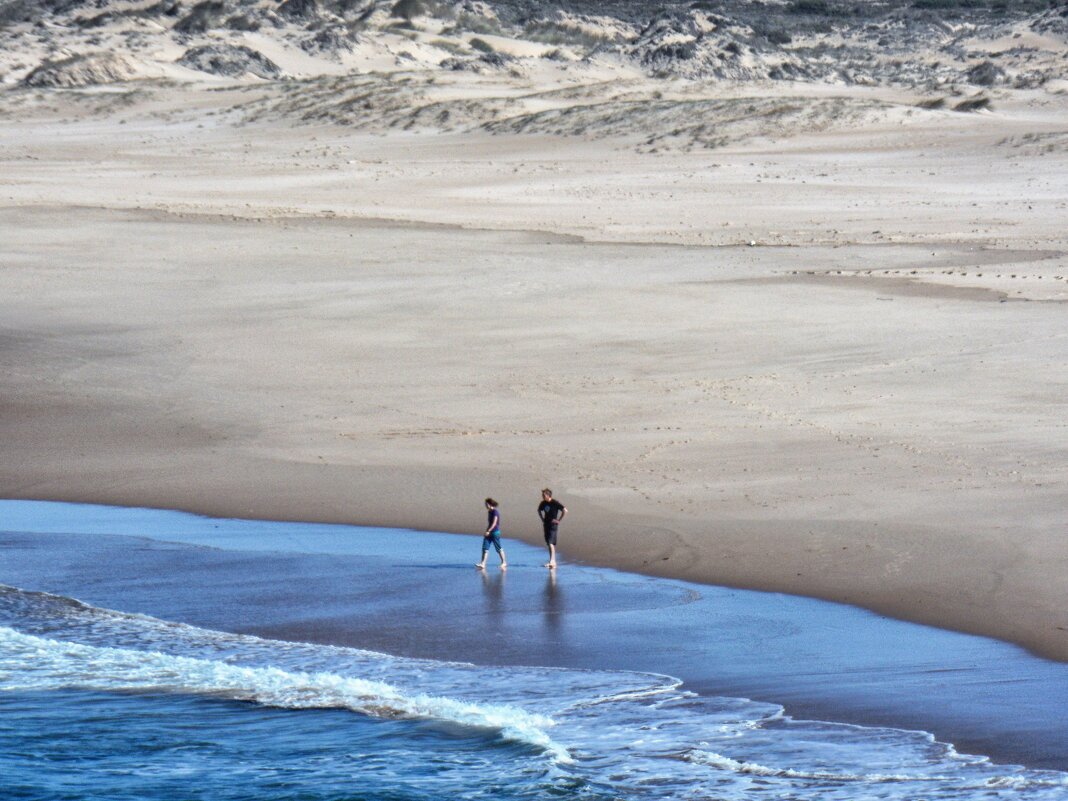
(28, 662)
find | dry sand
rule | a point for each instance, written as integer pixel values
(311, 323)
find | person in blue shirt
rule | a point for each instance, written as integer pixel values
(492, 535)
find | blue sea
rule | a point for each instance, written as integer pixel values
(148, 654)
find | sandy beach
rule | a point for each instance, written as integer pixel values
(827, 357)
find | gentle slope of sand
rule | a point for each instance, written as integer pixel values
(802, 336)
(858, 420)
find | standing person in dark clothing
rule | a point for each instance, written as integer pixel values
(492, 535)
(551, 513)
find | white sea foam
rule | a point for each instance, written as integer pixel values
(1037, 780)
(28, 662)
(715, 760)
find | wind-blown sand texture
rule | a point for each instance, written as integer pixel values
(777, 307)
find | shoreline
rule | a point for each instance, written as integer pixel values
(648, 562)
(414, 595)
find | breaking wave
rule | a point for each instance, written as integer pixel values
(625, 734)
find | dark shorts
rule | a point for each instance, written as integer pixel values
(550, 533)
(494, 538)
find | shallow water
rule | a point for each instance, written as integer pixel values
(219, 664)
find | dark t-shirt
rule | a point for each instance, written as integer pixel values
(550, 511)
(493, 520)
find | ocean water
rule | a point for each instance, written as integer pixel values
(101, 702)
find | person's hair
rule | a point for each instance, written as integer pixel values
(491, 502)
(547, 491)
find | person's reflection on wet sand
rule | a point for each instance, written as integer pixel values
(493, 589)
(553, 606)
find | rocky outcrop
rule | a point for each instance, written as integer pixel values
(329, 40)
(82, 70)
(936, 46)
(299, 9)
(230, 61)
(203, 17)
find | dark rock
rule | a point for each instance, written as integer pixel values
(202, 17)
(243, 22)
(328, 40)
(407, 9)
(230, 61)
(81, 70)
(299, 9)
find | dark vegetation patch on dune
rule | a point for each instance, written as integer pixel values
(383, 102)
(1038, 144)
(687, 124)
(979, 103)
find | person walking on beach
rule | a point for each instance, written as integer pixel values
(551, 513)
(492, 535)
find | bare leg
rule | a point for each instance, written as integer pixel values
(504, 560)
(482, 565)
(552, 557)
